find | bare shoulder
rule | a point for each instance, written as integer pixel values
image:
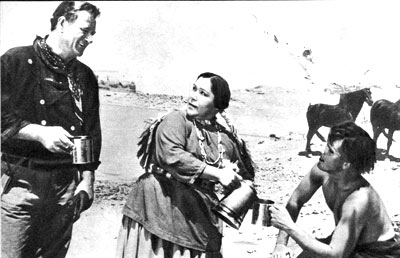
(365, 201)
(364, 206)
(360, 198)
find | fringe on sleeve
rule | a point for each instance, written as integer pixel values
(146, 142)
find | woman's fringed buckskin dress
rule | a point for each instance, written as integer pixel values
(169, 211)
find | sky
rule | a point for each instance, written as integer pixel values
(163, 46)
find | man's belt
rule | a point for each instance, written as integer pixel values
(35, 163)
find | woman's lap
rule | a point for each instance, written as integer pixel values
(135, 241)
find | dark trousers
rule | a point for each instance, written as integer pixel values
(34, 221)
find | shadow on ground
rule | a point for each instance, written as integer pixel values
(308, 153)
(381, 155)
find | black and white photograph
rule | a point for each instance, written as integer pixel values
(200, 129)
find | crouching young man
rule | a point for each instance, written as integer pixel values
(362, 225)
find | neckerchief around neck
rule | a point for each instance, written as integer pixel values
(57, 64)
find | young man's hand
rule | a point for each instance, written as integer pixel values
(280, 217)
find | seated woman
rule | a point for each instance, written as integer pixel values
(169, 211)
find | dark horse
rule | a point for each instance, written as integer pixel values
(349, 107)
(385, 114)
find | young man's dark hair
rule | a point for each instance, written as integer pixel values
(357, 147)
(363, 227)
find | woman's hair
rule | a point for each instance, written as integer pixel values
(220, 89)
(357, 145)
(222, 96)
(68, 9)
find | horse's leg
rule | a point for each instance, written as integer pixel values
(385, 134)
(389, 142)
(310, 134)
(377, 131)
(320, 136)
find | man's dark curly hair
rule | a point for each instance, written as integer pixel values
(357, 146)
(68, 9)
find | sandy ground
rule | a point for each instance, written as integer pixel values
(273, 122)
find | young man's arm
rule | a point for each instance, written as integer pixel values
(302, 194)
(344, 238)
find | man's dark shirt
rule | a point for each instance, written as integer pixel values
(33, 93)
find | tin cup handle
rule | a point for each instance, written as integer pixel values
(261, 213)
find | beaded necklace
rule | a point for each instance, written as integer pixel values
(201, 138)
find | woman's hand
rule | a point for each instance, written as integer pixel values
(228, 176)
(229, 179)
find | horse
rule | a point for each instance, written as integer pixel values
(385, 114)
(349, 107)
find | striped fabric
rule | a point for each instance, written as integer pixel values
(135, 241)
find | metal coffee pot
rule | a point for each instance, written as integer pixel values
(233, 207)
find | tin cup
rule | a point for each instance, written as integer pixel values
(82, 153)
(261, 214)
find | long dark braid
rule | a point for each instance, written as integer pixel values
(243, 150)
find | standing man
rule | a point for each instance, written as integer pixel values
(363, 226)
(47, 97)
